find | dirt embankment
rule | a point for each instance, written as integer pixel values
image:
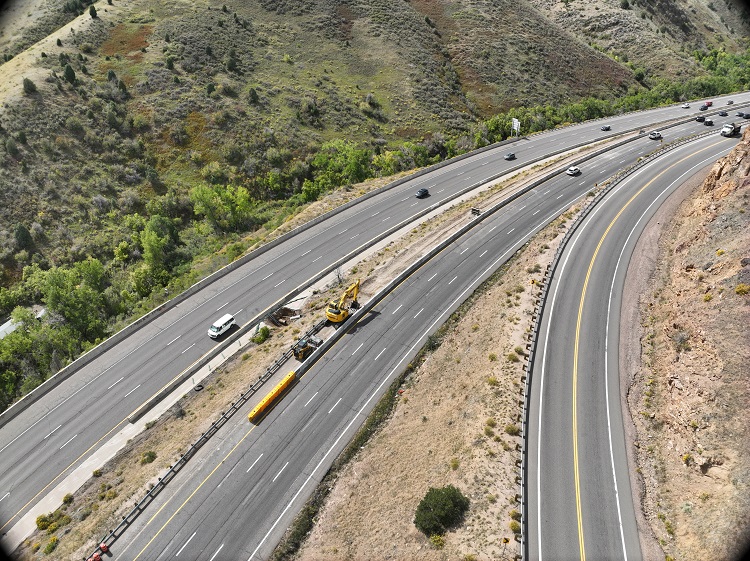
(689, 392)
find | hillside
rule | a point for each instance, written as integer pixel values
(156, 142)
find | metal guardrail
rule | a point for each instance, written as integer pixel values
(109, 538)
(127, 520)
(541, 303)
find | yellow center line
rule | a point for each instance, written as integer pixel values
(191, 495)
(577, 340)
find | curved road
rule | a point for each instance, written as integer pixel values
(45, 442)
(237, 498)
(578, 487)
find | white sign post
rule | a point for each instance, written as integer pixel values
(516, 126)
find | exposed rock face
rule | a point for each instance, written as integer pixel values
(689, 398)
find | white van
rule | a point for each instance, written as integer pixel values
(221, 325)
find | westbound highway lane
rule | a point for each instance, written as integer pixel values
(43, 443)
(578, 488)
(235, 499)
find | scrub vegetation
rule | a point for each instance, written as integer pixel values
(154, 144)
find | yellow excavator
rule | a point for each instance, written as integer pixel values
(336, 312)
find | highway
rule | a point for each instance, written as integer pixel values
(579, 501)
(46, 441)
(236, 499)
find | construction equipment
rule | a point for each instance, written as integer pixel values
(336, 312)
(304, 347)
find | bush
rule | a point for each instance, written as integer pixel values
(42, 522)
(263, 334)
(742, 289)
(148, 457)
(68, 499)
(515, 527)
(440, 509)
(92, 11)
(515, 515)
(29, 87)
(512, 429)
(513, 357)
(51, 545)
(437, 541)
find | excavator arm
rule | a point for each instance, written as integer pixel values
(336, 312)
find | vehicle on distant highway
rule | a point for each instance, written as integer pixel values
(746, 116)
(654, 135)
(685, 106)
(703, 107)
(708, 103)
(730, 129)
(573, 170)
(509, 156)
(709, 122)
(221, 325)
(730, 102)
(700, 118)
(422, 193)
(740, 114)
(723, 114)
(606, 128)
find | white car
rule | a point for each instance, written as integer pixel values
(573, 170)
(654, 135)
(686, 106)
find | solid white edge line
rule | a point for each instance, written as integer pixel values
(187, 542)
(384, 381)
(606, 345)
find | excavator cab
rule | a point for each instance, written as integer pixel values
(336, 312)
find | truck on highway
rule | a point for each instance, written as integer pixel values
(730, 129)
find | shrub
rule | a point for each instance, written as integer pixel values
(513, 430)
(70, 74)
(51, 545)
(742, 289)
(493, 357)
(42, 522)
(97, 473)
(515, 527)
(455, 463)
(68, 499)
(491, 422)
(92, 11)
(263, 334)
(513, 357)
(148, 457)
(440, 509)
(515, 515)
(29, 87)
(437, 541)
(492, 381)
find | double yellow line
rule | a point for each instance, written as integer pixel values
(581, 544)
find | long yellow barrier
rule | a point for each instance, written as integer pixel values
(272, 395)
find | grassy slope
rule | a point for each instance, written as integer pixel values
(93, 155)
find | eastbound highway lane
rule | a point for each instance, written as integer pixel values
(578, 488)
(46, 441)
(236, 499)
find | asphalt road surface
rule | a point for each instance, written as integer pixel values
(578, 486)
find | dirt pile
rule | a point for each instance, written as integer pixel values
(689, 398)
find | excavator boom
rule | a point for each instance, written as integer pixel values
(336, 312)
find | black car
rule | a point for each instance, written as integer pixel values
(703, 107)
(510, 156)
(746, 116)
(723, 114)
(422, 193)
(700, 118)
(606, 128)
(740, 114)
(730, 102)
